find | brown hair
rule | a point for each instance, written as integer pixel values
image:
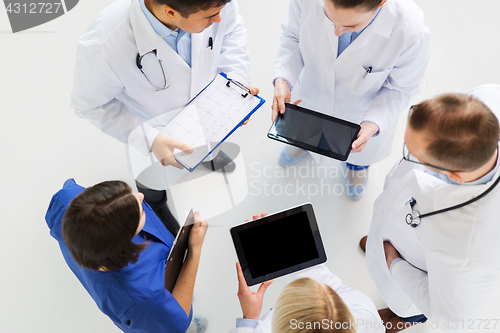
(367, 5)
(188, 7)
(462, 132)
(308, 301)
(99, 224)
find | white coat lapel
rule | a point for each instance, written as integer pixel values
(382, 25)
(334, 40)
(145, 36)
(197, 59)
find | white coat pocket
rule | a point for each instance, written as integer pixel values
(363, 83)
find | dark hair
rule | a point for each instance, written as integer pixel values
(188, 7)
(463, 132)
(367, 5)
(99, 224)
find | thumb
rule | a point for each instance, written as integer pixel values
(182, 146)
(263, 287)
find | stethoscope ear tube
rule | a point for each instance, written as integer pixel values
(414, 218)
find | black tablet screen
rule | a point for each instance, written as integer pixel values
(315, 131)
(279, 244)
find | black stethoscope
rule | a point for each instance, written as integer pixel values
(414, 218)
(138, 61)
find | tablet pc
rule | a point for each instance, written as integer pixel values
(314, 131)
(278, 244)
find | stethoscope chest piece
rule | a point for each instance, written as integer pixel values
(413, 219)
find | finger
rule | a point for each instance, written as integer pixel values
(263, 287)
(246, 121)
(255, 217)
(170, 161)
(358, 142)
(274, 109)
(197, 217)
(281, 105)
(263, 214)
(297, 102)
(254, 90)
(242, 283)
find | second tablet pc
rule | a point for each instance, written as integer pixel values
(314, 131)
(278, 244)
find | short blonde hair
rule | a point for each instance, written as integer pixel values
(307, 301)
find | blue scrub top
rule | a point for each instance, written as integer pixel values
(134, 297)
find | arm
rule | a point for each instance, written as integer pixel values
(184, 287)
(401, 85)
(95, 88)
(453, 289)
(234, 59)
(288, 63)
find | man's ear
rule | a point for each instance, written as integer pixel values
(169, 12)
(455, 176)
(382, 3)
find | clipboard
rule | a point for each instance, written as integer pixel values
(177, 253)
(210, 118)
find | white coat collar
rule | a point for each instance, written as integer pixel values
(146, 38)
(383, 25)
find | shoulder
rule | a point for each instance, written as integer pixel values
(408, 19)
(108, 24)
(489, 94)
(60, 202)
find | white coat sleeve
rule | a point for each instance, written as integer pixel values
(94, 97)
(401, 85)
(289, 63)
(452, 290)
(234, 59)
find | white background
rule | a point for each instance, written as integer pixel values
(43, 143)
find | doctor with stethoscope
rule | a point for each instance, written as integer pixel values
(140, 60)
(361, 61)
(432, 250)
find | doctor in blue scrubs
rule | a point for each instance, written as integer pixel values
(117, 247)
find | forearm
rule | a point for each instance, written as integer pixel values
(414, 284)
(184, 287)
(386, 108)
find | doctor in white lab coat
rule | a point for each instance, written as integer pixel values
(361, 64)
(446, 268)
(365, 316)
(113, 94)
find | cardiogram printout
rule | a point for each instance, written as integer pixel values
(214, 114)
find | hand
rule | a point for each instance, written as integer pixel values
(163, 148)
(367, 131)
(390, 253)
(254, 91)
(251, 303)
(197, 233)
(282, 95)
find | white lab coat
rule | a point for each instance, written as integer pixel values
(112, 93)
(452, 261)
(362, 308)
(395, 45)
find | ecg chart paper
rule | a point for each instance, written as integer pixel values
(209, 119)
